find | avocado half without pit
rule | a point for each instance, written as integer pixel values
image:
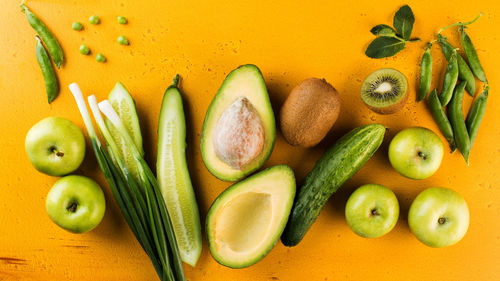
(239, 129)
(247, 219)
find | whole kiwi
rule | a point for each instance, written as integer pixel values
(309, 112)
(385, 91)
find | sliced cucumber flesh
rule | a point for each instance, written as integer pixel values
(124, 105)
(173, 177)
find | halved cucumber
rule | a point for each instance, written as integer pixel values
(124, 105)
(173, 176)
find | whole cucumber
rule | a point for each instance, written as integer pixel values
(334, 168)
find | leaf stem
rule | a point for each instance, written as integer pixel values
(461, 23)
(397, 37)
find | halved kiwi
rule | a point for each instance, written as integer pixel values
(385, 91)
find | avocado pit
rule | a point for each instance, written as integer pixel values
(239, 134)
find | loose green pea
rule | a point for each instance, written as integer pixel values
(123, 40)
(94, 20)
(84, 50)
(100, 58)
(77, 26)
(121, 20)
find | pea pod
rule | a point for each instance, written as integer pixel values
(51, 85)
(48, 38)
(471, 54)
(425, 73)
(450, 79)
(441, 119)
(456, 116)
(464, 72)
(476, 115)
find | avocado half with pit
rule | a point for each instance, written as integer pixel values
(247, 219)
(239, 129)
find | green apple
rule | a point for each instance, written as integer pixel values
(416, 153)
(76, 203)
(439, 217)
(55, 146)
(372, 210)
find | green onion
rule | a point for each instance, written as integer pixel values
(141, 202)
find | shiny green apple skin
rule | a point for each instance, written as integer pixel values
(76, 203)
(372, 210)
(416, 153)
(439, 217)
(55, 146)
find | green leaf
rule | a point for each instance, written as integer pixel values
(403, 22)
(383, 30)
(384, 46)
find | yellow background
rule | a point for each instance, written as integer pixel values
(203, 41)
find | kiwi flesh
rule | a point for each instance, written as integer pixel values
(385, 91)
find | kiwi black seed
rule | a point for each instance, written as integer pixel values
(385, 91)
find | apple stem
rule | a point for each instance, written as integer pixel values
(374, 212)
(441, 220)
(72, 207)
(57, 152)
(422, 155)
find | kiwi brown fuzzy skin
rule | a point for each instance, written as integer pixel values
(390, 108)
(309, 112)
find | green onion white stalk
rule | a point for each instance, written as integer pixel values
(141, 203)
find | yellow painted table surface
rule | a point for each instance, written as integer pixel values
(203, 41)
